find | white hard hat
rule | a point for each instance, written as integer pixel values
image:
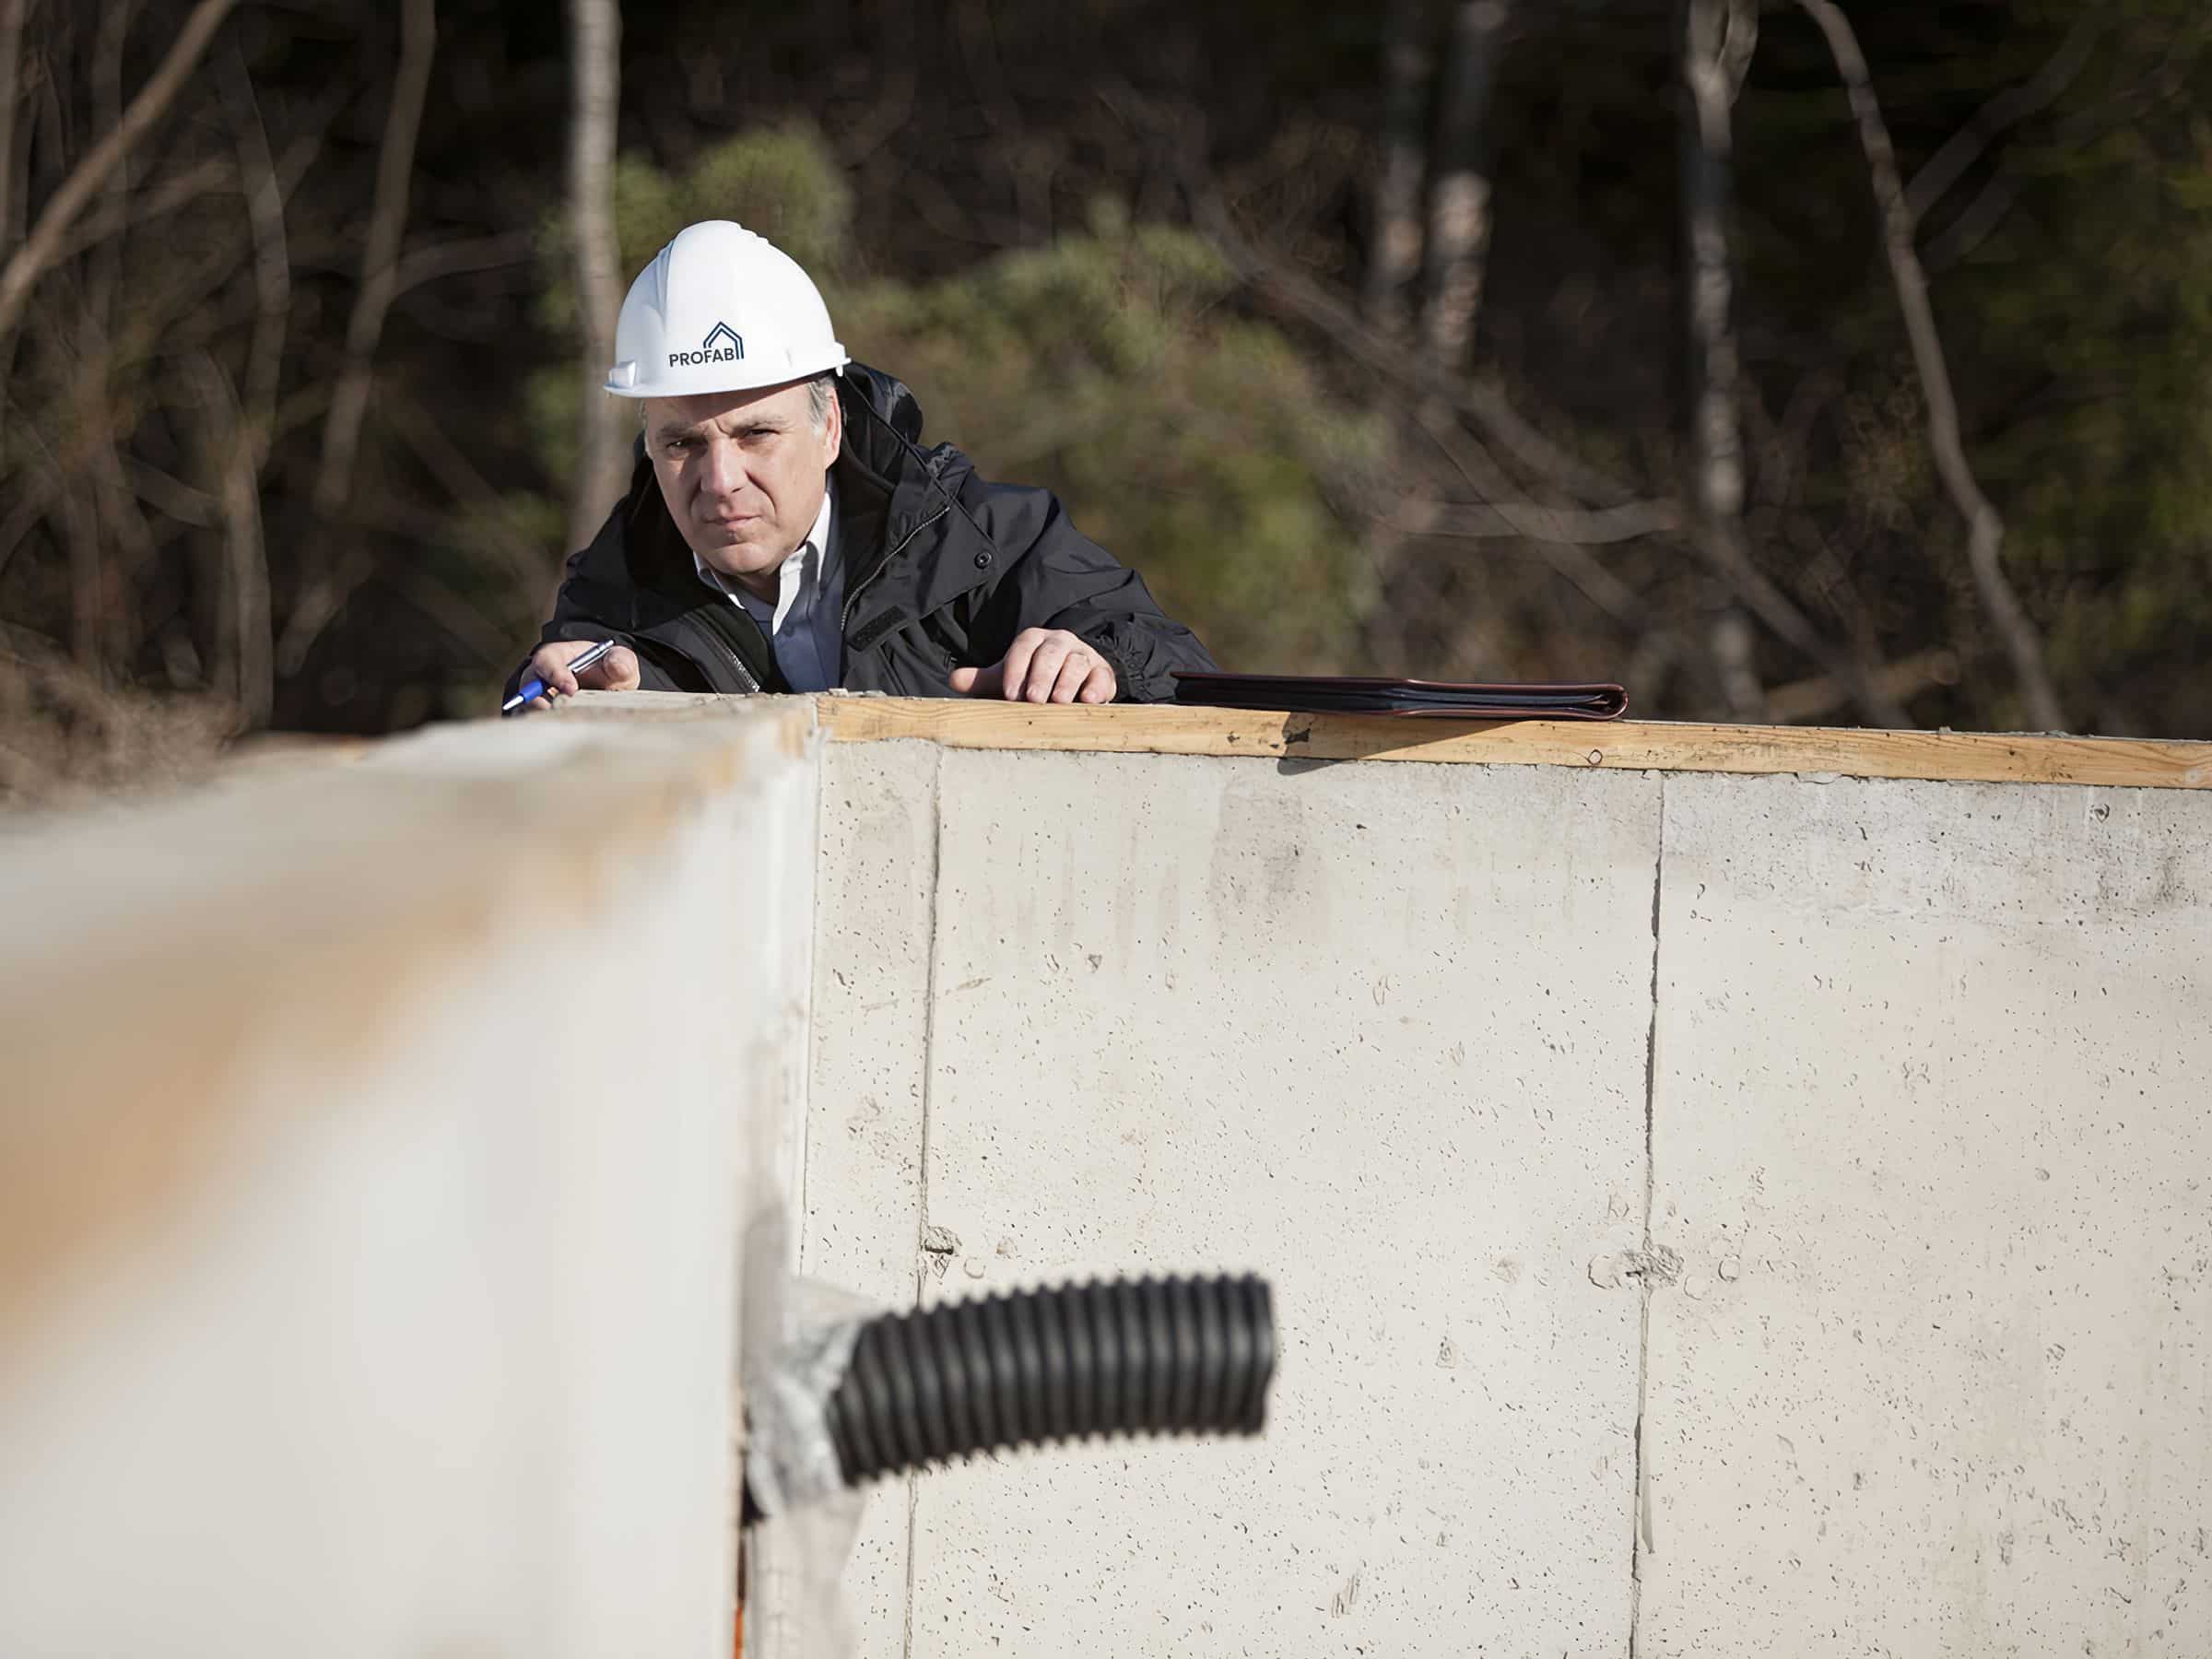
(720, 309)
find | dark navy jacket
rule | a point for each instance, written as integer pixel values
(942, 570)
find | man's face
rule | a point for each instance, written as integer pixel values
(742, 472)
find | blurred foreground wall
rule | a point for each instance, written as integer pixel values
(1740, 1191)
(375, 1147)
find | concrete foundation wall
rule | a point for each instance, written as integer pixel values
(1709, 1215)
(376, 1148)
(1932, 1132)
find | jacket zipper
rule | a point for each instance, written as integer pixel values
(853, 594)
(746, 674)
(737, 663)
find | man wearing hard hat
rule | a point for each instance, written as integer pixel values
(785, 531)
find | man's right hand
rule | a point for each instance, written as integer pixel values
(616, 671)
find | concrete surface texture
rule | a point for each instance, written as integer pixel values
(1930, 1138)
(374, 1146)
(1717, 1211)
(1838, 1146)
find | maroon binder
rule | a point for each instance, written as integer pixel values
(1437, 699)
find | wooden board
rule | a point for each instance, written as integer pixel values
(2125, 762)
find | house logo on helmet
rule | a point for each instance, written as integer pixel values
(722, 345)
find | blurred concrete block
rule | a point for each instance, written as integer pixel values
(376, 1148)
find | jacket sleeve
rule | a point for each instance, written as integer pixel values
(595, 603)
(1056, 577)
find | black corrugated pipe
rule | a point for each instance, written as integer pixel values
(1003, 1372)
(1168, 1356)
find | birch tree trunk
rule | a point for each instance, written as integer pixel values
(1716, 435)
(602, 446)
(1394, 245)
(1459, 200)
(1985, 530)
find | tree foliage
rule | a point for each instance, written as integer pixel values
(1108, 366)
(1120, 248)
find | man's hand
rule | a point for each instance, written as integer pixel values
(1043, 665)
(616, 671)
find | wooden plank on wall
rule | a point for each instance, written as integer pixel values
(1983, 757)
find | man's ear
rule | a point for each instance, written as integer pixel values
(833, 428)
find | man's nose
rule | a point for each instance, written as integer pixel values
(722, 469)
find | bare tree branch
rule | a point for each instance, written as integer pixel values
(1780, 467)
(459, 256)
(1567, 555)
(13, 75)
(35, 488)
(242, 655)
(87, 573)
(324, 596)
(111, 638)
(1276, 283)
(1908, 676)
(895, 28)
(1394, 237)
(1459, 193)
(2007, 109)
(602, 470)
(179, 500)
(445, 461)
(321, 599)
(1273, 281)
(380, 257)
(1739, 44)
(1980, 217)
(1490, 520)
(209, 176)
(11, 60)
(179, 190)
(1985, 530)
(42, 246)
(257, 406)
(272, 263)
(1994, 199)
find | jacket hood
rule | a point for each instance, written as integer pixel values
(888, 426)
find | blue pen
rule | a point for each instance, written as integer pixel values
(533, 686)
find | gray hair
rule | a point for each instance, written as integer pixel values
(819, 391)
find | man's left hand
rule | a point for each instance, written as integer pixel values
(1043, 665)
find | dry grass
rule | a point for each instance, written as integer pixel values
(66, 740)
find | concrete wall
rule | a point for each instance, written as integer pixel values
(375, 1149)
(1931, 1136)
(1710, 1214)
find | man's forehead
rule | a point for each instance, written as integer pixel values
(724, 409)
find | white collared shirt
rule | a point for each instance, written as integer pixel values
(803, 625)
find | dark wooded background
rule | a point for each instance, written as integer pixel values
(1466, 339)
